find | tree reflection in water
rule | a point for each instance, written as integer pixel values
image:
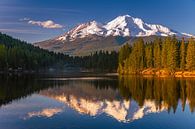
(166, 91)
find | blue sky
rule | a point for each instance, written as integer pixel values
(64, 14)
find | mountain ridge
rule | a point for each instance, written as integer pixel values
(121, 26)
(93, 36)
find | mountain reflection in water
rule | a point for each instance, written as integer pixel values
(96, 98)
(124, 98)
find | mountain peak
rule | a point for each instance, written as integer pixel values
(94, 22)
(127, 19)
(124, 26)
(124, 17)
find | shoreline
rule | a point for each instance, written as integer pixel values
(161, 73)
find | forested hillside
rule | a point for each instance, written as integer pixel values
(169, 54)
(16, 54)
(19, 55)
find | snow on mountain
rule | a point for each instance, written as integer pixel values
(83, 30)
(121, 26)
(188, 35)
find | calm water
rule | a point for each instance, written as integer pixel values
(96, 102)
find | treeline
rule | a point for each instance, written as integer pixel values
(98, 61)
(16, 54)
(165, 92)
(19, 55)
(169, 54)
(17, 87)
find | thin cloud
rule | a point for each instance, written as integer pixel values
(21, 31)
(24, 19)
(49, 24)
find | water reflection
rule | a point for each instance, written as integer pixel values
(125, 99)
(17, 87)
(97, 97)
(163, 91)
(47, 112)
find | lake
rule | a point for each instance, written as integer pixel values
(90, 101)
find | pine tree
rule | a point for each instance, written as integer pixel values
(141, 53)
(172, 56)
(190, 59)
(124, 53)
(136, 60)
(164, 57)
(149, 55)
(182, 55)
(157, 52)
(3, 57)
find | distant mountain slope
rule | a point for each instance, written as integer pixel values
(91, 36)
(84, 46)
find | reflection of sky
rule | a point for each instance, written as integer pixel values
(62, 116)
(22, 107)
(86, 99)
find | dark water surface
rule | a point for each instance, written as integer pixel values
(96, 102)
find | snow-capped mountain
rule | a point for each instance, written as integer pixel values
(83, 30)
(121, 26)
(93, 36)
